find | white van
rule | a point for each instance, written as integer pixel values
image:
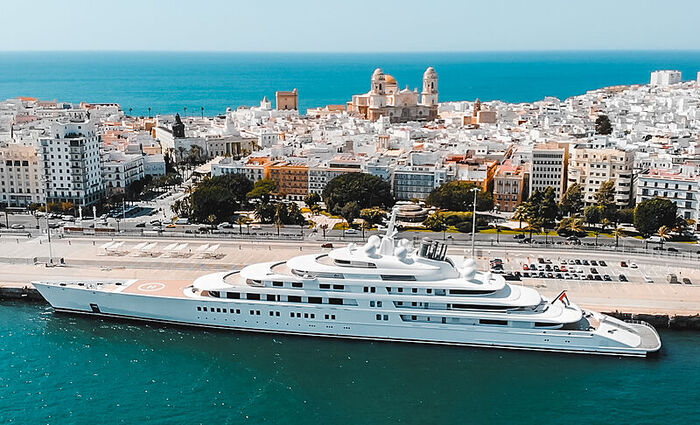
(182, 221)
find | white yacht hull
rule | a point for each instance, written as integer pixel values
(349, 323)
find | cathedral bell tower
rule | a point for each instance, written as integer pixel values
(378, 82)
(429, 95)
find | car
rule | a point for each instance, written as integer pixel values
(658, 248)
(687, 281)
(497, 267)
(542, 274)
(589, 277)
(327, 245)
(573, 239)
(225, 225)
(559, 276)
(594, 263)
(602, 263)
(585, 262)
(550, 275)
(597, 277)
(578, 262)
(67, 217)
(533, 267)
(622, 278)
(607, 278)
(647, 279)
(526, 274)
(140, 225)
(623, 264)
(633, 265)
(351, 231)
(564, 269)
(171, 226)
(155, 222)
(54, 225)
(579, 270)
(672, 249)
(498, 271)
(17, 226)
(594, 270)
(526, 267)
(556, 268)
(518, 236)
(540, 260)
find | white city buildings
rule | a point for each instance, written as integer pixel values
(549, 168)
(665, 78)
(121, 170)
(21, 175)
(681, 186)
(72, 163)
(592, 167)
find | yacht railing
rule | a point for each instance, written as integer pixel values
(643, 323)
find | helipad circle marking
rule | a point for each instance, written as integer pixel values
(151, 286)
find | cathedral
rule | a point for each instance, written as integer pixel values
(385, 99)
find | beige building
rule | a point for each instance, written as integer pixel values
(592, 167)
(509, 186)
(385, 99)
(549, 167)
(287, 100)
(21, 175)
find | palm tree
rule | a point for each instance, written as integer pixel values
(241, 221)
(279, 213)
(576, 226)
(520, 215)
(130, 109)
(149, 112)
(664, 234)
(202, 111)
(618, 232)
(324, 227)
(498, 234)
(605, 223)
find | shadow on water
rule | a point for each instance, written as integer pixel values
(166, 373)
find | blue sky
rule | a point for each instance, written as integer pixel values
(351, 25)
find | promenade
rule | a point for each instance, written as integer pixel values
(23, 260)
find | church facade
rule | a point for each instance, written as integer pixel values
(385, 99)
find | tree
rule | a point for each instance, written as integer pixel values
(605, 200)
(458, 196)
(541, 210)
(651, 214)
(571, 226)
(592, 215)
(242, 220)
(280, 213)
(3, 209)
(373, 215)
(312, 199)
(436, 223)
(263, 190)
(618, 233)
(365, 190)
(664, 234)
(324, 227)
(220, 195)
(264, 212)
(350, 212)
(572, 202)
(520, 214)
(625, 215)
(135, 189)
(603, 125)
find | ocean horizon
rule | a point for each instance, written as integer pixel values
(169, 82)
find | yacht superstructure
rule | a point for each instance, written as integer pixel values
(386, 289)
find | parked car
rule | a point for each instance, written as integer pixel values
(155, 222)
(589, 277)
(17, 226)
(597, 277)
(327, 245)
(607, 278)
(526, 267)
(140, 225)
(633, 265)
(594, 263)
(623, 264)
(672, 249)
(351, 231)
(594, 270)
(622, 278)
(602, 263)
(687, 281)
(518, 236)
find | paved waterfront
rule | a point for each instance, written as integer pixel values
(85, 258)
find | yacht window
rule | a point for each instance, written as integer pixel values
(388, 288)
(272, 313)
(379, 303)
(233, 295)
(414, 290)
(332, 316)
(429, 291)
(493, 322)
(386, 317)
(468, 292)
(371, 303)
(199, 308)
(414, 317)
(478, 306)
(291, 314)
(223, 310)
(253, 296)
(297, 284)
(543, 324)
(238, 311)
(205, 309)
(397, 277)
(313, 316)
(252, 312)
(277, 313)
(294, 299)
(400, 289)
(306, 315)
(379, 317)
(338, 301)
(365, 289)
(218, 310)
(231, 311)
(326, 317)
(324, 286)
(373, 289)
(214, 294)
(341, 287)
(399, 302)
(315, 300)
(277, 283)
(271, 298)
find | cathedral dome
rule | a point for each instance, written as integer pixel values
(430, 72)
(377, 73)
(390, 79)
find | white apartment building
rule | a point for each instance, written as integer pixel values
(120, 170)
(321, 173)
(154, 165)
(72, 163)
(665, 78)
(21, 175)
(254, 169)
(682, 188)
(592, 167)
(549, 167)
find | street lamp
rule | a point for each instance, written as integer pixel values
(475, 190)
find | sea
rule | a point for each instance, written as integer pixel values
(60, 369)
(169, 82)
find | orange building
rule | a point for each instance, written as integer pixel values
(292, 179)
(509, 186)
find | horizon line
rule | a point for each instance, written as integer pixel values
(603, 50)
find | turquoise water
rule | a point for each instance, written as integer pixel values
(61, 369)
(168, 82)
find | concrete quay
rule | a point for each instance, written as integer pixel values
(660, 303)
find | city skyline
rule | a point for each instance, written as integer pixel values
(363, 26)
